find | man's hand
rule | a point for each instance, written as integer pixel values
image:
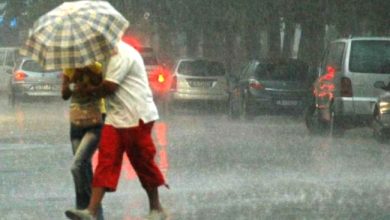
(104, 89)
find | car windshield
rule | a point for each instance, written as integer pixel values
(201, 68)
(370, 57)
(289, 71)
(30, 65)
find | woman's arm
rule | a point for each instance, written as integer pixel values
(66, 91)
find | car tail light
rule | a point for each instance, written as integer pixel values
(330, 73)
(255, 84)
(20, 76)
(346, 87)
(160, 80)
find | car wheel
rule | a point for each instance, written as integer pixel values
(312, 120)
(378, 133)
(234, 107)
(12, 99)
(246, 110)
(335, 128)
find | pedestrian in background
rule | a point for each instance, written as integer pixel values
(131, 113)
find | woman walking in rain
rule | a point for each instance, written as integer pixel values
(131, 113)
(86, 120)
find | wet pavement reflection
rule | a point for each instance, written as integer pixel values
(218, 169)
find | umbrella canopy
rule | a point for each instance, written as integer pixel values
(75, 34)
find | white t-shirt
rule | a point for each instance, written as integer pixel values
(133, 100)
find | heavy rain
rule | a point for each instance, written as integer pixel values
(262, 113)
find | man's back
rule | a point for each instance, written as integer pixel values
(133, 101)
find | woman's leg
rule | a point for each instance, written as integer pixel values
(81, 169)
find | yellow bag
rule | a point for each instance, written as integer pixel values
(85, 115)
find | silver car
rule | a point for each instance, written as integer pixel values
(344, 92)
(199, 80)
(29, 79)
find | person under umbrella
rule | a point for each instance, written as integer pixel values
(131, 113)
(76, 34)
(86, 121)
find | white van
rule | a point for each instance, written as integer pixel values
(344, 92)
(8, 56)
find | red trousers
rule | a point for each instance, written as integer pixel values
(138, 144)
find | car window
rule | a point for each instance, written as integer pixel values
(370, 57)
(334, 56)
(30, 65)
(201, 68)
(290, 71)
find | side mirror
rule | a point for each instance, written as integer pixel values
(379, 84)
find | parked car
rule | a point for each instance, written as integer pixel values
(29, 79)
(381, 117)
(199, 79)
(344, 92)
(268, 85)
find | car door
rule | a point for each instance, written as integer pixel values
(367, 64)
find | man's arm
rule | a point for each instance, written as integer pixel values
(102, 90)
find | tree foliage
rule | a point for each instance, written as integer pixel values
(218, 25)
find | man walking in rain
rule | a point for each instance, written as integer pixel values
(131, 113)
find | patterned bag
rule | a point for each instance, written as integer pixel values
(85, 115)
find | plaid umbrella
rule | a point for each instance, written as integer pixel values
(75, 34)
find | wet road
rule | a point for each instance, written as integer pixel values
(269, 168)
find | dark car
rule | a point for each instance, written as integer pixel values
(270, 85)
(29, 79)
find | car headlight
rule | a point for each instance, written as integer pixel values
(384, 107)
